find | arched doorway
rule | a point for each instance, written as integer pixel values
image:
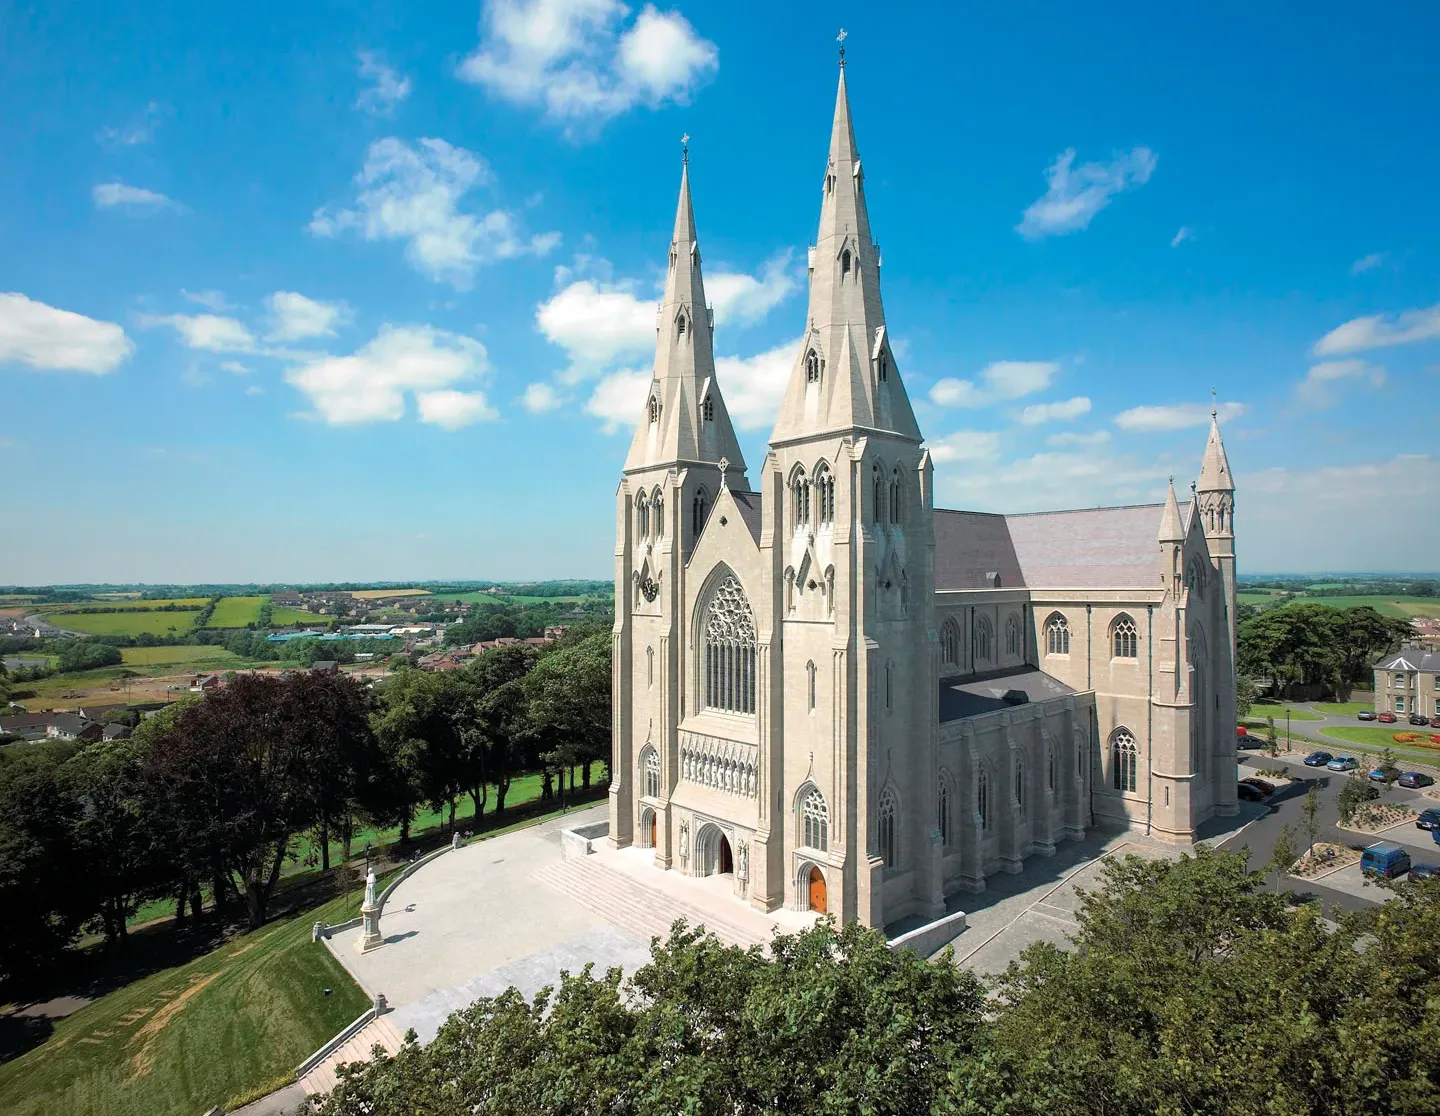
(725, 862)
(647, 828)
(652, 830)
(819, 899)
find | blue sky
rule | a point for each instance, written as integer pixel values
(362, 291)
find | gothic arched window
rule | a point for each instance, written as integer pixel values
(1124, 638)
(897, 503)
(882, 366)
(649, 666)
(1020, 783)
(814, 821)
(657, 513)
(824, 495)
(983, 637)
(681, 327)
(650, 764)
(812, 367)
(1012, 634)
(982, 796)
(879, 495)
(942, 818)
(707, 409)
(642, 516)
(845, 263)
(950, 642)
(800, 498)
(654, 408)
(729, 639)
(1057, 635)
(887, 843)
(697, 511)
(1124, 760)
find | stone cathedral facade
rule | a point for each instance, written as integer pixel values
(844, 699)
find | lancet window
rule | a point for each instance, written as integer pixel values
(1124, 760)
(887, 842)
(950, 642)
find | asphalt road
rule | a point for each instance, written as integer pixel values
(1286, 808)
(1311, 730)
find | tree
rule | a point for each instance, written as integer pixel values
(489, 726)
(1352, 795)
(1245, 694)
(1282, 855)
(1388, 767)
(85, 654)
(419, 726)
(1270, 730)
(570, 701)
(1311, 813)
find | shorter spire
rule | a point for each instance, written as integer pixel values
(1171, 529)
(1215, 469)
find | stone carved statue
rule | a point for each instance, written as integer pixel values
(370, 890)
(744, 860)
(684, 839)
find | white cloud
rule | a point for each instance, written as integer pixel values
(1184, 233)
(1001, 380)
(1075, 194)
(1322, 383)
(1050, 481)
(1368, 263)
(40, 336)
(578, 60)
(211, 300)
(387, 86)
(753, 386)
(618, 399)
(1175, 416)
(132, 199)
(1072, 438)
(539, 398)
(412, 193)
(598, 324)
(236, 367)
(1038, 413)
(139, 129)
(295, 317)
(745, 299)
(966, 446)
(1378, 331)
(210, 332)
(454, 409)
(370, 385)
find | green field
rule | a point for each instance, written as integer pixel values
(131, 622)
(1343, 708)
(1401, 608)
(506, 598)
(1261, 710)
(1384, 737)
(183, 655)
(288, 617)
(142, 606)
(236, 612)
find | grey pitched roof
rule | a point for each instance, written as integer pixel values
(985, 693)
(1088, 548)
(748, 504)
(71, 722)
(1410, 658)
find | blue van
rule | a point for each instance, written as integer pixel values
(1385, 860)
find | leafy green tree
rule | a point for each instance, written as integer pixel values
(1273, 742)
(570, 701)
(1245, 694)
(420, 727)
(1283, 854)
(491, 730)
(1311, 814)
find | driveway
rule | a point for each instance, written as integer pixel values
(1315, 731)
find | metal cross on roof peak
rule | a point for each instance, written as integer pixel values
(685, 148)
(840, 38)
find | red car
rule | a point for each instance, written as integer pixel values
(1386, 718)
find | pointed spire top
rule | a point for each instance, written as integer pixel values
(684, 234)
(1171, 529)
(1215, 469)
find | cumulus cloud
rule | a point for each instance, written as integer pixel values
(386, 89)
(212, 332)
(1175, 416)
(371, 384)
(1380, 330)
(137, 130)
(540, 398)
(1073, 438)
(413, 193)
(741, 299)
(51, 340)
(753, 386)
(131, 199)
(236, 367)
(1074, 195)
(580, 60)
(966, 446)
(1069, 409)
(1323, 383)
(597, 324)
(1368, 263)
(1053, 480)
(1185, 233)
(1000, 381)
(211, 300)
(618, 398)
(295, 317)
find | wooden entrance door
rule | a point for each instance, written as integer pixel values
(818, 898)
(652, 831)
(727, 861)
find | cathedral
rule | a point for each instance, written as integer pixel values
(841, 698)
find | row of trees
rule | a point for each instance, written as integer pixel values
(1315, 645)
(219, 793)
(1190, 989)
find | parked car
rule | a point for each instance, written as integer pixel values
(1435, 721)
(1366, 715)
(1386, 718)
(1425, 872)
(1385, 860)
(1318, 759)
(1384, 774)
(1343, 763)
(1428, 819)
(1415, 779)
(1419, 719)
(1264, 786)
(1246, 793)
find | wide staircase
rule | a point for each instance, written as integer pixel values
(644, 912)
(322, 1078)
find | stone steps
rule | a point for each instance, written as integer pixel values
(641, 911)
(322, 1078)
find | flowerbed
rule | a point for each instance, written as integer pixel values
(1432, 741)
(1323, 858)
(1373, 817)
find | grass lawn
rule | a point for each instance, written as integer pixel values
(1384, 737)
(236, 612)
(1401, 608)
(1343, 708)
(182, 655)
(287, 617)
(1260, 710)
(196, 1035)
(130, 621)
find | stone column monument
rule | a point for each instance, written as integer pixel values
(370, 918)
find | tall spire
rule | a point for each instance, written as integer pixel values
(684, 419)
(1215, 470)
(844, 375)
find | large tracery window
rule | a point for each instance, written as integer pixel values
(887, 829)
(729, 650)
(652, 774)
(814, 821)
(1124, 760)
(1124, 638)
(1057, 635)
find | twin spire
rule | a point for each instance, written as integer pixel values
(844, 377)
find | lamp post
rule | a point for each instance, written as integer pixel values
(1287, 730)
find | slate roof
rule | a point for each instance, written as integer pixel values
(978, 694)
(1089, 548)
(1409, 658)
(748, 504)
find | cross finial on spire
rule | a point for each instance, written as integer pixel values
(1214, 410)
(840, 38)
(685, 149)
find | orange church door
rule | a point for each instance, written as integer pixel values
(652, 831)
(818, 897)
